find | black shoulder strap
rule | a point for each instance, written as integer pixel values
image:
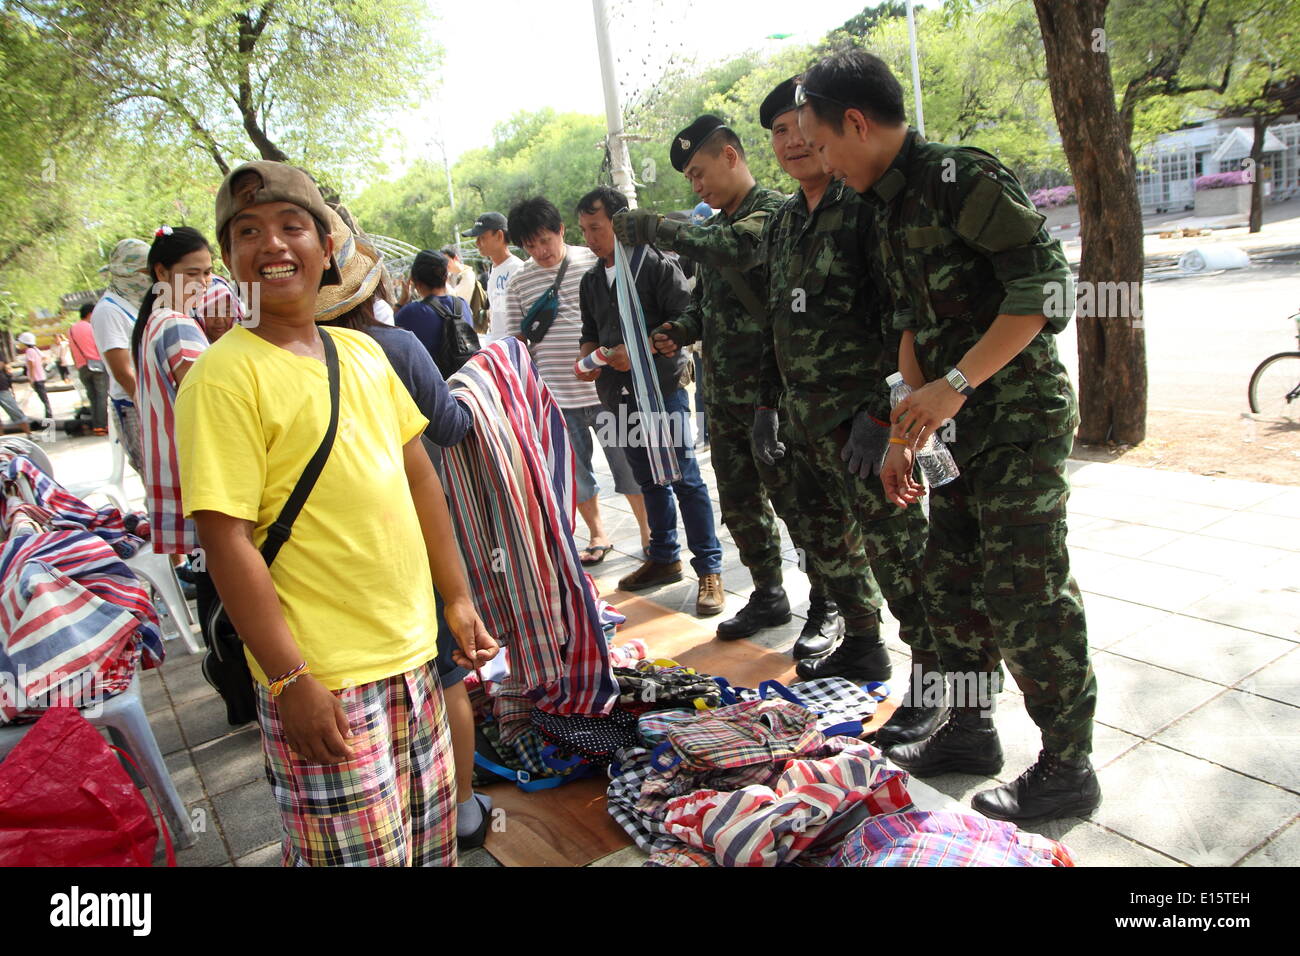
(559, 276)
(279, 531)
(744, 293)
(433, 302)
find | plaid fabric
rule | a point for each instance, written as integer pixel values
(627, 775)
(837, 700)
(813, 803)
(128, 432)
(513, 503)
(653, 728)
(922, 838)
(754, 732)
(680, 855)
(394, 803)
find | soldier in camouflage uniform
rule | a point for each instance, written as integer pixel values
(973, 276)
(827, 358)
(728, 317)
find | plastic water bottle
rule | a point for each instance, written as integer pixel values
(935, 459)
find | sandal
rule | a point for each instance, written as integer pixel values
(595, 553)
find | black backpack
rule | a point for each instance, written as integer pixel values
(459, 340)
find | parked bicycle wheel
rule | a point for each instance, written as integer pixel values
(1275, 387)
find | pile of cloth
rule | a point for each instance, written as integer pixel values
(512, 497)
(75, 621)
(758, 783)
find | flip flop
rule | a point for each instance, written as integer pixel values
(595, 554)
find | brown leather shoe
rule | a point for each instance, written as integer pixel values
(711, 598)
(651, 575)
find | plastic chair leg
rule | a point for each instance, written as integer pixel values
(158, 571)
(131, 723)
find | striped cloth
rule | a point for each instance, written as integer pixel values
(394, 803)
(75, 620)
(656, 428)
(512, 502)
(814, 803)
(171, 341)
(557, 352)
(24, 482)
(944, 838)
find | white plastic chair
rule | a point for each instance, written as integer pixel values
(124, 716)
(110, 487)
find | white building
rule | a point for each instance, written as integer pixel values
(1167, 169)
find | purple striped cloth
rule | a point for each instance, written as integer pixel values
(513, 502)
(944, 838)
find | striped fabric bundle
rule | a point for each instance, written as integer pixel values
(814, 804)
(655, 425)
(24, 482)
(74, 617)
(513, 502)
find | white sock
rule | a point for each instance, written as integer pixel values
(469, 815)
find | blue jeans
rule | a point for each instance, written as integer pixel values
(690, 491)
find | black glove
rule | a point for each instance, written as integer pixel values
(636, 227)
(865, 449)
(766, 448)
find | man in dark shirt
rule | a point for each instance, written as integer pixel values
(429, 282)
(664, 296)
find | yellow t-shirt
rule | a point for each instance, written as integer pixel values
(353, 578)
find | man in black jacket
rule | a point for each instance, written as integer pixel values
(664, 296)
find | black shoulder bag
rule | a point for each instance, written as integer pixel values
(224, 665)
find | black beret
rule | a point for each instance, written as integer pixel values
(778, 101)
(690, 139)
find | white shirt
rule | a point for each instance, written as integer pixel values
(557, 352)
(383, 312)
(498, 280)
(112, 324)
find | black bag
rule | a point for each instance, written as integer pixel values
(224, 666)
(459, 340)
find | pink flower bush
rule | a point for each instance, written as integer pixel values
(1238, 177)
(1051, 198)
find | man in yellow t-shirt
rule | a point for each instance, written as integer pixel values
(340, 630)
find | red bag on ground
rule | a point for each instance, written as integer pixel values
(66, 801)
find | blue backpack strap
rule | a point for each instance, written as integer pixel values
(877, 689)
(728, 695)
(558, 763)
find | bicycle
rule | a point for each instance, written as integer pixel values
(1275, 386)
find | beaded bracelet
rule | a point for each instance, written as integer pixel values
(278, 685)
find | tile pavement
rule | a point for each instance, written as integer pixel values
(1192, 586)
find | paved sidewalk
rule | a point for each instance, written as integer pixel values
(1192, 587)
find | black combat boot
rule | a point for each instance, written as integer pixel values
(966, 743)
(923, 709)
(1051, 788)
(861, 658)
(767, 607)
(823, 628)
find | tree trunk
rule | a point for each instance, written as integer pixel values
(1260, 124)
(1112, 346)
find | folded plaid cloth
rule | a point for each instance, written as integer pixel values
(922, 838)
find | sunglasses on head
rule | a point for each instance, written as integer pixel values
(801, 94)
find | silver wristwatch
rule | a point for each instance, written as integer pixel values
(958, 381)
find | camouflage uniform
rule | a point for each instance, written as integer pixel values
(959, 243)
(826, 357)
(732, 351)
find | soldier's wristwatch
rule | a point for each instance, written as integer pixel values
(958, 381)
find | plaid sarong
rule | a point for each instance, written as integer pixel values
(394, 803)
(944, 838)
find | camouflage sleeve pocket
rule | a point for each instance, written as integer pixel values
(992, 219)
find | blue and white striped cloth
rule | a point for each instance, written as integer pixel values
(655, 425)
